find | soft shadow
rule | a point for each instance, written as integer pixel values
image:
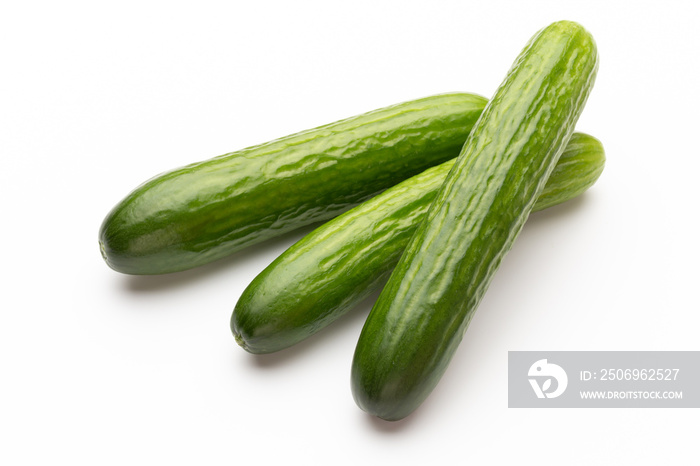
(164, 282)
(391, 427)
(558, 211)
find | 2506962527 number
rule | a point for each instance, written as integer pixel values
(639, 374)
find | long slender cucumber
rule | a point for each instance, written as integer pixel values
(208, 210)
(330, 270)
(422, 313)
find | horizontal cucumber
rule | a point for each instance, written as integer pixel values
(205, 211)
(422, 313)
(334, 267)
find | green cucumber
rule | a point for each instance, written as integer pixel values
(205, 211)
(422, 313)
(334, 267)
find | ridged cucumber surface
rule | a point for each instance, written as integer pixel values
(205, 211)
(422, 313)
(330, 270)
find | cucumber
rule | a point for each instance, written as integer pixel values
(422, 313)
(334, 267)
(202, 212)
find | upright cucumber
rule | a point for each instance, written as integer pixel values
(423, 311)
(331, 269)
(207, 210)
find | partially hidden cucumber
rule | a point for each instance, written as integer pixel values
(333, 268)
(205, 211)
(422, 313)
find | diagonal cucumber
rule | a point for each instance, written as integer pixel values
(421, 315)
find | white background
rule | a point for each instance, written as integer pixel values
(102, 368)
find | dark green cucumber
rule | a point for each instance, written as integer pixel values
(205, 211)
(422, 313)
(334, 267)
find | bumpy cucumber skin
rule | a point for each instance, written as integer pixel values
(330, 270)
(423, 311)
(205, 211)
